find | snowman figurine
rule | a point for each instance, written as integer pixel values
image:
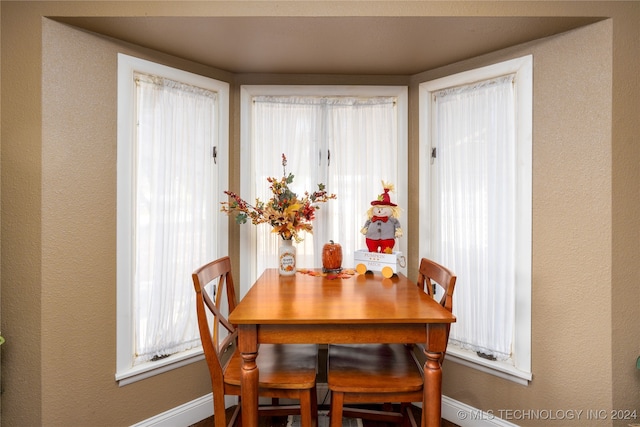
(383, 226)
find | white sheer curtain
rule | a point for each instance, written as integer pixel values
(475, 174)
(348, 143)
(174, 211)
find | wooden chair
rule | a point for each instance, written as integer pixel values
(384, 373)
(286, 371)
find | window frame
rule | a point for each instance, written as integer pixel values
(126, 371)
(517, 369)
(247, 92)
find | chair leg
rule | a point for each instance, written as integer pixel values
(219, 413)
(314, 406)
(335, 413)
(306, 418)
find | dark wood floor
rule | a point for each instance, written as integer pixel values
(282, 422)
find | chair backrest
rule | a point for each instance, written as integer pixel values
(211, 316)
(432, 274)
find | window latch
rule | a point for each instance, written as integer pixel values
(215, 154)
(328, 158)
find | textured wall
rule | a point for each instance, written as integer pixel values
(571, 324)
(21, 226)
(58, 214)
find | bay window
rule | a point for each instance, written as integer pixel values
(476, 194)
(348, 138)
(172, 154)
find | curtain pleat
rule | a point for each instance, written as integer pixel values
(476, 176)
(348, 143)
(175, 136)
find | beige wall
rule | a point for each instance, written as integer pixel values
(571, 324)
(58, 147)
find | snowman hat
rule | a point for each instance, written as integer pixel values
(384, 199)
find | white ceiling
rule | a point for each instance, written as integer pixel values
(327, 45)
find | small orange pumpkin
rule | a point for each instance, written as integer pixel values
(331, 257)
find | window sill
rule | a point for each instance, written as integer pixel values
(149, 369)
(500, 369)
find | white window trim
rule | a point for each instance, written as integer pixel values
(520, 369)
(247, 92)
(126, 373)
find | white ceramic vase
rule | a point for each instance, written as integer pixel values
(287, 258)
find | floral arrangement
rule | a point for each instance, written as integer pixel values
(288, 214)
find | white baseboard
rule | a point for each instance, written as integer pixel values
(197, 410)
(184, 415)
(467, 416)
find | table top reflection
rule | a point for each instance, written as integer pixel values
(306, 298)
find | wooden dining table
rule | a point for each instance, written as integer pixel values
(309, 307)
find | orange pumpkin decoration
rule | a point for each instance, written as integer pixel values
(331, 257)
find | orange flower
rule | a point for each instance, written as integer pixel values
(287, 214)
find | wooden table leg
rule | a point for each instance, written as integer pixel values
(431, 412)
(432, 399)
(248, 346)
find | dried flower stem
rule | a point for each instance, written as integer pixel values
(287, 214)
